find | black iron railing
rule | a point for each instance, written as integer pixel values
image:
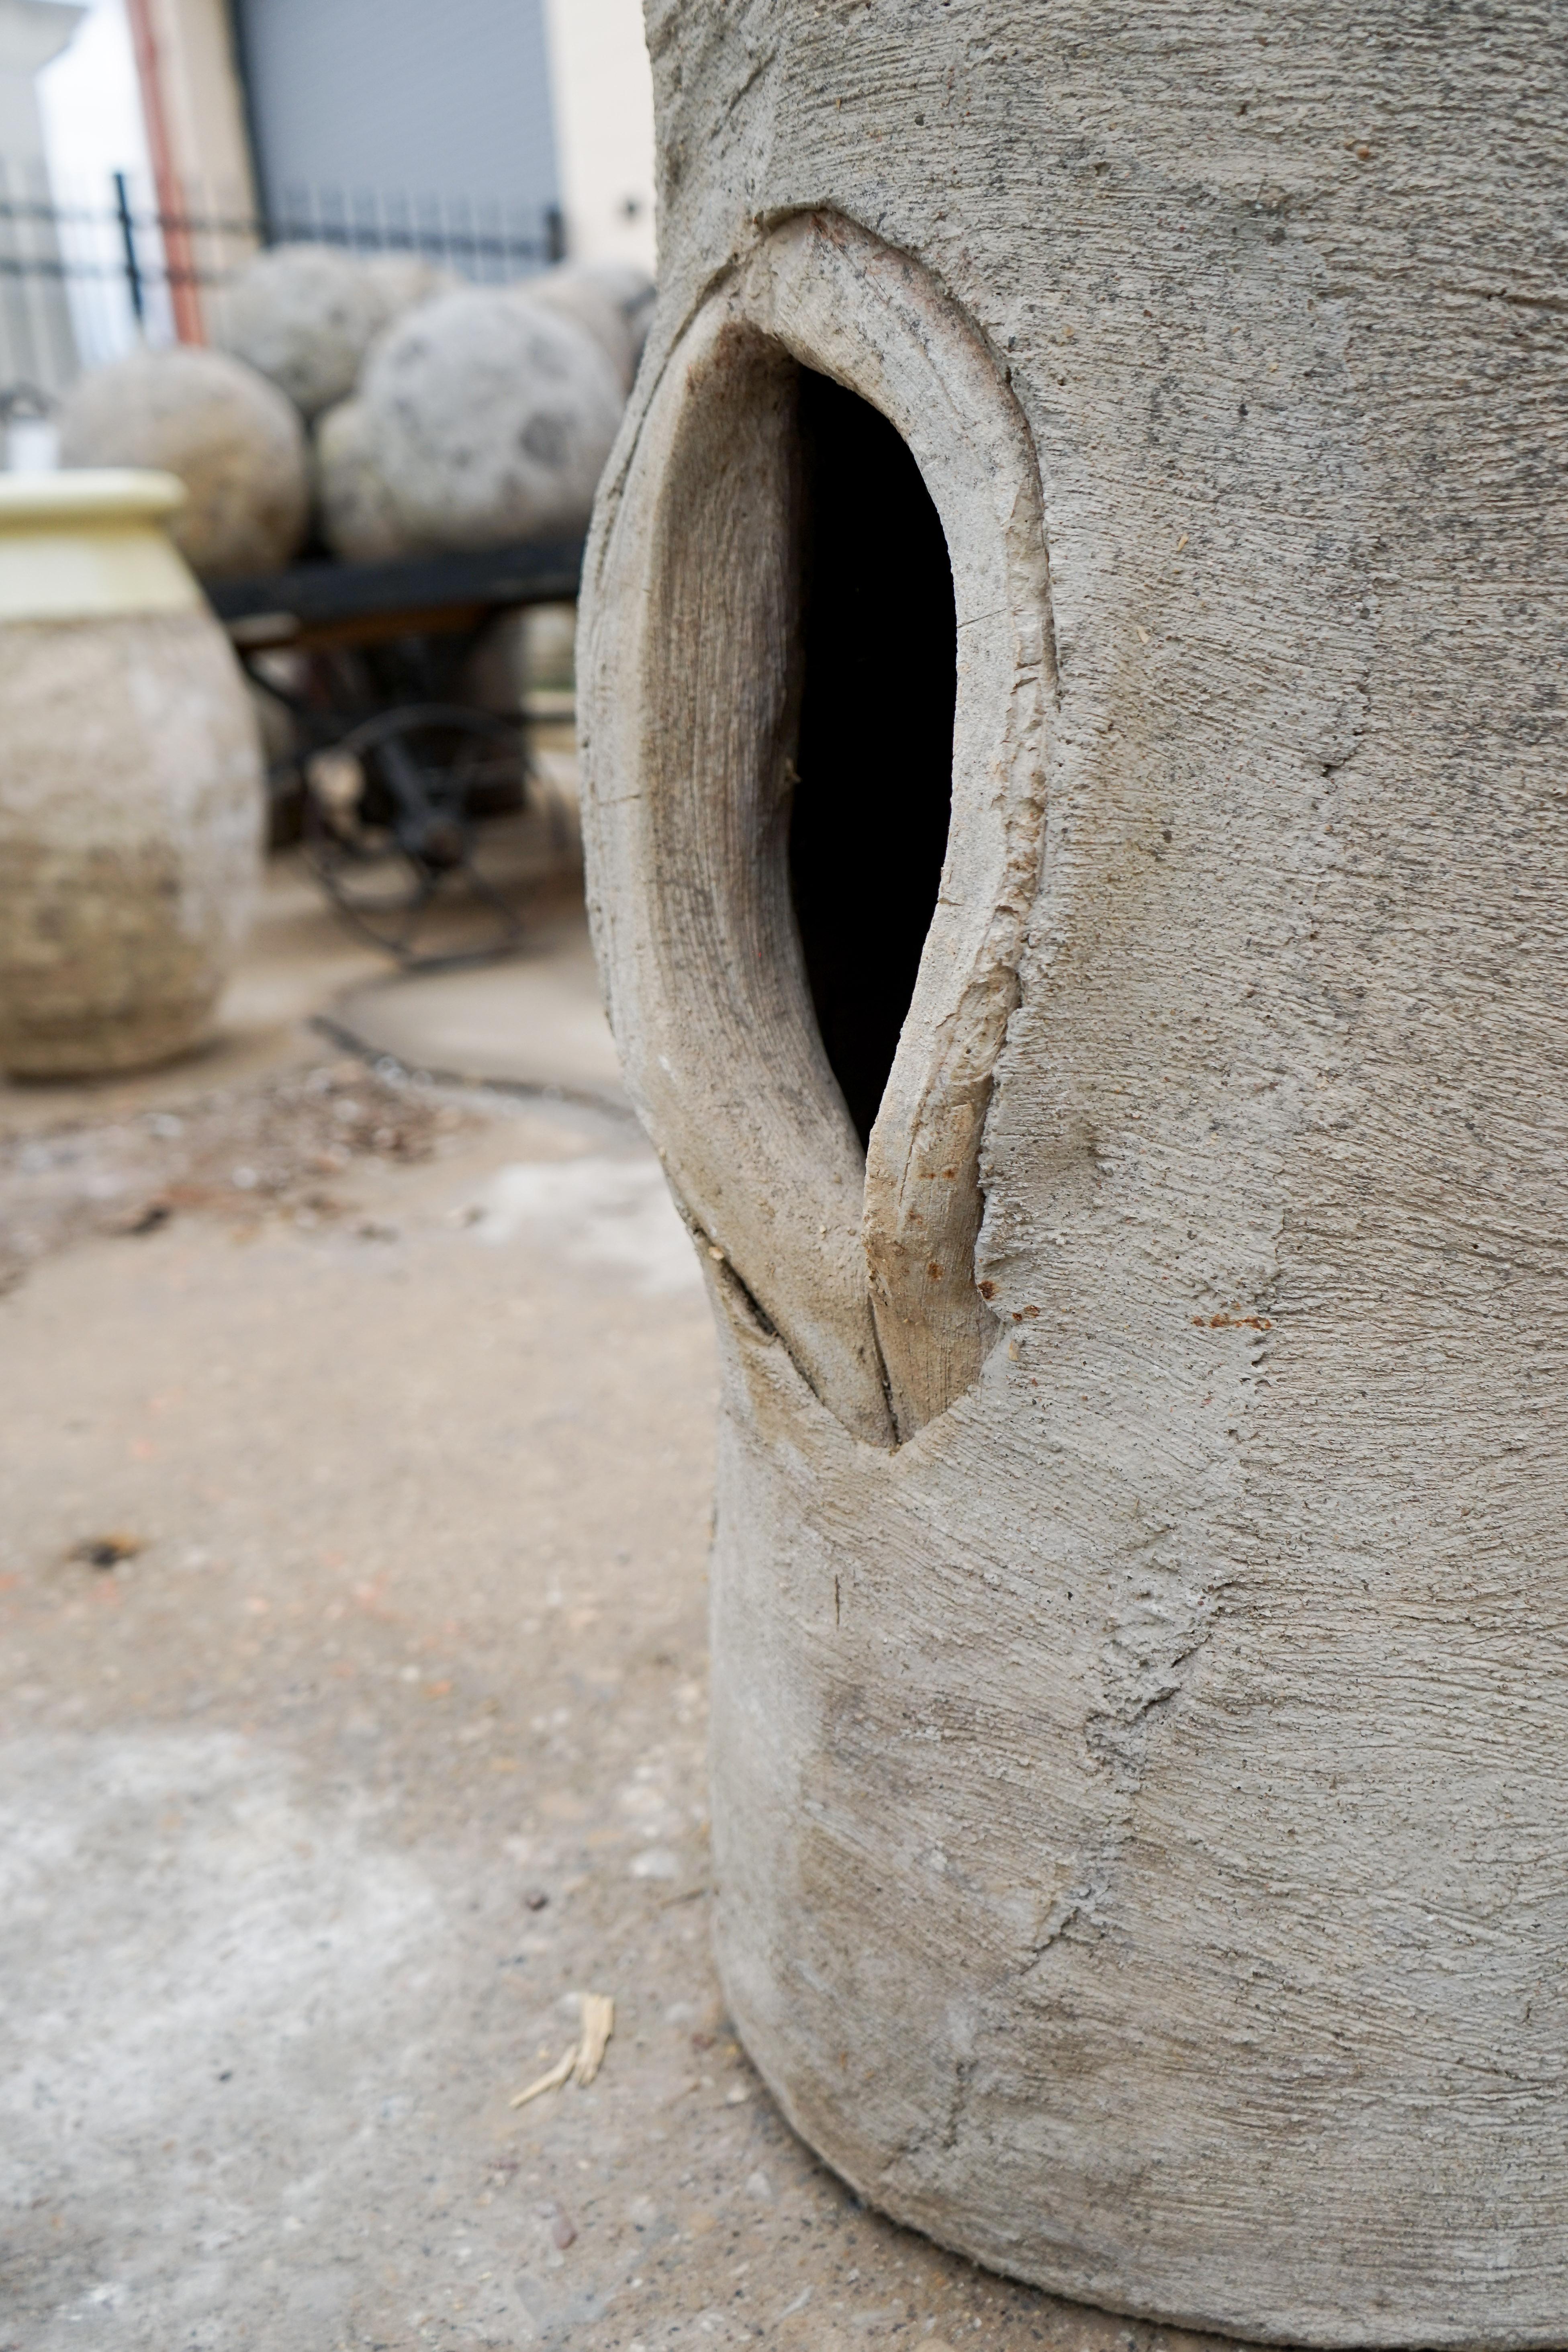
(80, 280)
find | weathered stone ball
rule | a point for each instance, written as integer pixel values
(488, 418)
(521, 654)
(399, 280)
(549, 646)
(579, 293)
(634, 294)
(359, 519)
(305, 315)
(227, 434)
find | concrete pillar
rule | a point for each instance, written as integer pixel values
(38, 345)
(1140, 1730)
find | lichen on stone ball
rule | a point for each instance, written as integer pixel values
(231, 437)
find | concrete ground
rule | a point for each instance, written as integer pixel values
(357, 1435)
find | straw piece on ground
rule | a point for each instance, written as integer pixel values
(558, 2075)
(598, 2024)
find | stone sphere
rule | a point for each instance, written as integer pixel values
(305, 315)
(227, 434)
(634, 294)
(399, 280)
(579, 293)
(521, 655)
(359, 520)
(549, 646)
(490, 418)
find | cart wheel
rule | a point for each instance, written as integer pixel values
(390, 822)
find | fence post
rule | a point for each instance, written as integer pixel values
(128, 245)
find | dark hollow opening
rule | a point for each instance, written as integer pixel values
(868, 824)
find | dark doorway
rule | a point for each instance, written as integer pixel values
(869, 827)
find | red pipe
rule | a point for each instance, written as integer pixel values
(179, 253)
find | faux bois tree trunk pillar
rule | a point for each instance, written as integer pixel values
(1073, 692)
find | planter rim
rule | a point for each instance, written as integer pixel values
(90, 544)
(99, 494)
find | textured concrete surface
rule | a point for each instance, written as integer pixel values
(386, 1741)
(131, 819)
(1151, 1768)
(488, 418)
(536, 1020)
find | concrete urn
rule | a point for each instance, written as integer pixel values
(1073, 695)
(131, 798)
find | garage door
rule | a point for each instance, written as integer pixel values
(435, 114)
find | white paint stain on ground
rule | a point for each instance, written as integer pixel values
(615, 1216)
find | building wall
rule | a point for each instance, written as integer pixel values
(401, 97)
(31, 33)
(204, 103)
(603, 123)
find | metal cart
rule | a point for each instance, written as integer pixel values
(389, 772)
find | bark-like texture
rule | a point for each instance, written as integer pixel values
(1141, 1732)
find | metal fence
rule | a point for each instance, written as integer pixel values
(85, 276)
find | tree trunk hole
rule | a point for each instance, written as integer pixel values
(879, 663)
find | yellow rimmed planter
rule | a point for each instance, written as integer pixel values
(130, 780)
